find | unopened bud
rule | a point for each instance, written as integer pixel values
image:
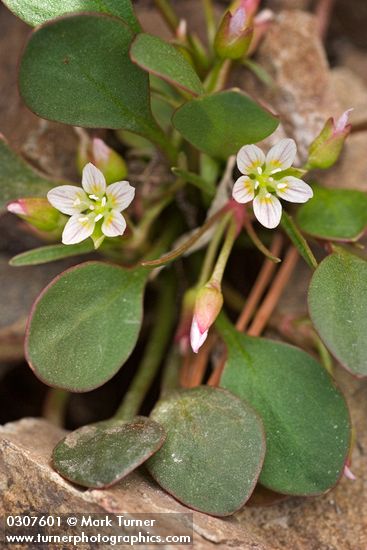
(95, 150)
(37, 212)
(325, 150)
(208, 303)
(182, 336)
(234, 35)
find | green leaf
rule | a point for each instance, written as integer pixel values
(214, 449)
(305, 416)
(166, 61)
(17, 179)
(298, 240)
(77, 70)
(337, 301)
(99, 455)
(335, 214)
(85, 324)
(51, 253)
(219, 124)
(36, 12)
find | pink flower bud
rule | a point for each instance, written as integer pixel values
(208, 303)
(235, 31)
(182, 336)
(325, 150)
(348, 473)
(37, 212)
(96, 151)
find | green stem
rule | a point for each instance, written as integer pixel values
(171, 373)
(168, 14)
(212, 251)
(210, 20)
(222, 260)
(153, 355)
(218, 76)
(54, 407)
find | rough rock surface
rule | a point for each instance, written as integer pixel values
(302, 94)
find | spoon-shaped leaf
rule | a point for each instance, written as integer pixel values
(305, 416)
(166, 61)
(99, 455)
(51, 253)
(219, 124)
(337, 301)
(77, 70)
(214, 449)
(335, 214)
(85, 324)
(36, 12)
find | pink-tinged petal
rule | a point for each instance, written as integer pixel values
(77, 229)
(120, 195)
(101, 151)
(114, 224)
(197, 338)
(93, 181)
(68, 199)
(282, 155)
(249, 159)
(342, 122)
(348, 473)
(293, 190)
(243, 190)
(16, 207)
(268, 210)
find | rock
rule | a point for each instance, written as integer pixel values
(351, 91)
(351, 170)
(334, 521)
(289, 4)
(303, 94)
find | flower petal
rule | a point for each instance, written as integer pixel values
(249, 158)
(268, 210)
(114, 224)
(243, 190)
(77, 229)
(197, 338)
(93, 181)
(120, 195)
(68, 199)
(282, 155)
(293, 189)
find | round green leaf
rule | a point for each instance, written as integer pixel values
(336, 214)
(305, 416)
(84, 325)
(36, 12)
(219, 124)
(77, 70)
(214, 449)
(101, 454)
(337, 301)
(166, 61)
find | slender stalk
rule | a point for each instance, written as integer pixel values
(212, 251)
(259, 245)
(260, 285)
(222, 260)
(171, 373)
(276, 290)
(187, 244)
(168, 14)
(153, 355)
(54, 407)
(218, 76)
(211, 25)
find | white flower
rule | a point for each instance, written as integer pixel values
(263, 181)
(92, 204)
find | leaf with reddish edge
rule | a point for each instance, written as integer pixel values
(214, 449)
(101, 454)
(165, 60)
(84, 325)
(337, 300)
(306, 419)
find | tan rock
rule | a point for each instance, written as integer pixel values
(351, 170)
(295, 58)
(351, 91)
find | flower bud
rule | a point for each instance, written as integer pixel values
(208, 303)
(325, 150)
(235, 31)
(37, 212)
(182, 336)
(95, 150)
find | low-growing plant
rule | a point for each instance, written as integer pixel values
(236, 408)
